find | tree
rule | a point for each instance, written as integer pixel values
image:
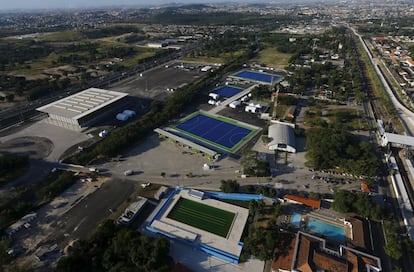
(360, 203)
(393, 248)
(112, 248)
(229, 186)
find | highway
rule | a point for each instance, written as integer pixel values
(406, 115)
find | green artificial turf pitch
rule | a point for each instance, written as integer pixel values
(201, 216)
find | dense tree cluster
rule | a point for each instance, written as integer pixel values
(5, 244)
(393, 248)
(56, 187)
(112, 248)
(171, 16)
(26, 199)
(261, 240)
(229, 186)
(10, 162)
(109, 31)
(21, 51)
(252, 166)
(335, 147)
(359, 203)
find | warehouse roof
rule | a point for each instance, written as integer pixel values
(83, 103)
(282, 134)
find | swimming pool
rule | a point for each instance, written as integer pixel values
(296, 219)
(325, 228)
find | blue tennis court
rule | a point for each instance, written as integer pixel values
(227, 91)
(257, 76)
(215, 131)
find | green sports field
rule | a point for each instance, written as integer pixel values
(202, 216)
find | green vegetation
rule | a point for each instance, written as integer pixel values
(329, 148)
(229, 186)
(56, 187)
(112, 248)
(171, 16)
(224, 48)
(133, 132)
(261, 92)
(26, 199)
(387, 111)
(158, 115)
(393, 247)
(359, 203)
(5, 258)
(12, 166)
(34, 68)
(252, 166)
(262, 231)
(202, 216)
(273, 58)
(322, 116)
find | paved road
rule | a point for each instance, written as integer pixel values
(83, 217)
(405, 114)
(406, 117)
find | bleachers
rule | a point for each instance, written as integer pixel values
(196, 194)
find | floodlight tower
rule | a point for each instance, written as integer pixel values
(275, 102)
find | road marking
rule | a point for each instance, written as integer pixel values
(77, 226)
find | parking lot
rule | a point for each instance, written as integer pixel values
(153, 84)
(42, 141)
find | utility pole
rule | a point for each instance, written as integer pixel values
(275, 102)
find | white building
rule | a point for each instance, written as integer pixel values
(283, 138)
(83, 109)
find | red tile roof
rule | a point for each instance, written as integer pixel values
(365, 188)
(284, 257)
(314, 203)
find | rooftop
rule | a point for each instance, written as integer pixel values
(311, 254)
(314, 203)
(83, 103)
(229, 244)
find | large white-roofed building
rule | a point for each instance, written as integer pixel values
(83, 109)
(283, 138)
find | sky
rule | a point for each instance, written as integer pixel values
(53, 4)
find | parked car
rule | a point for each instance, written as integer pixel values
(128, 172)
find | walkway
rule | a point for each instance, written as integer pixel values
(231, 99)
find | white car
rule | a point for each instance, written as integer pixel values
(128, 172)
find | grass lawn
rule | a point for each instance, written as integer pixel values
(349, 117)
(272, 57)
(131, 61)
(66, 35)
(201, 216)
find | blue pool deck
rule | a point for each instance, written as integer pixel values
(327, 229)
(296, 217)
